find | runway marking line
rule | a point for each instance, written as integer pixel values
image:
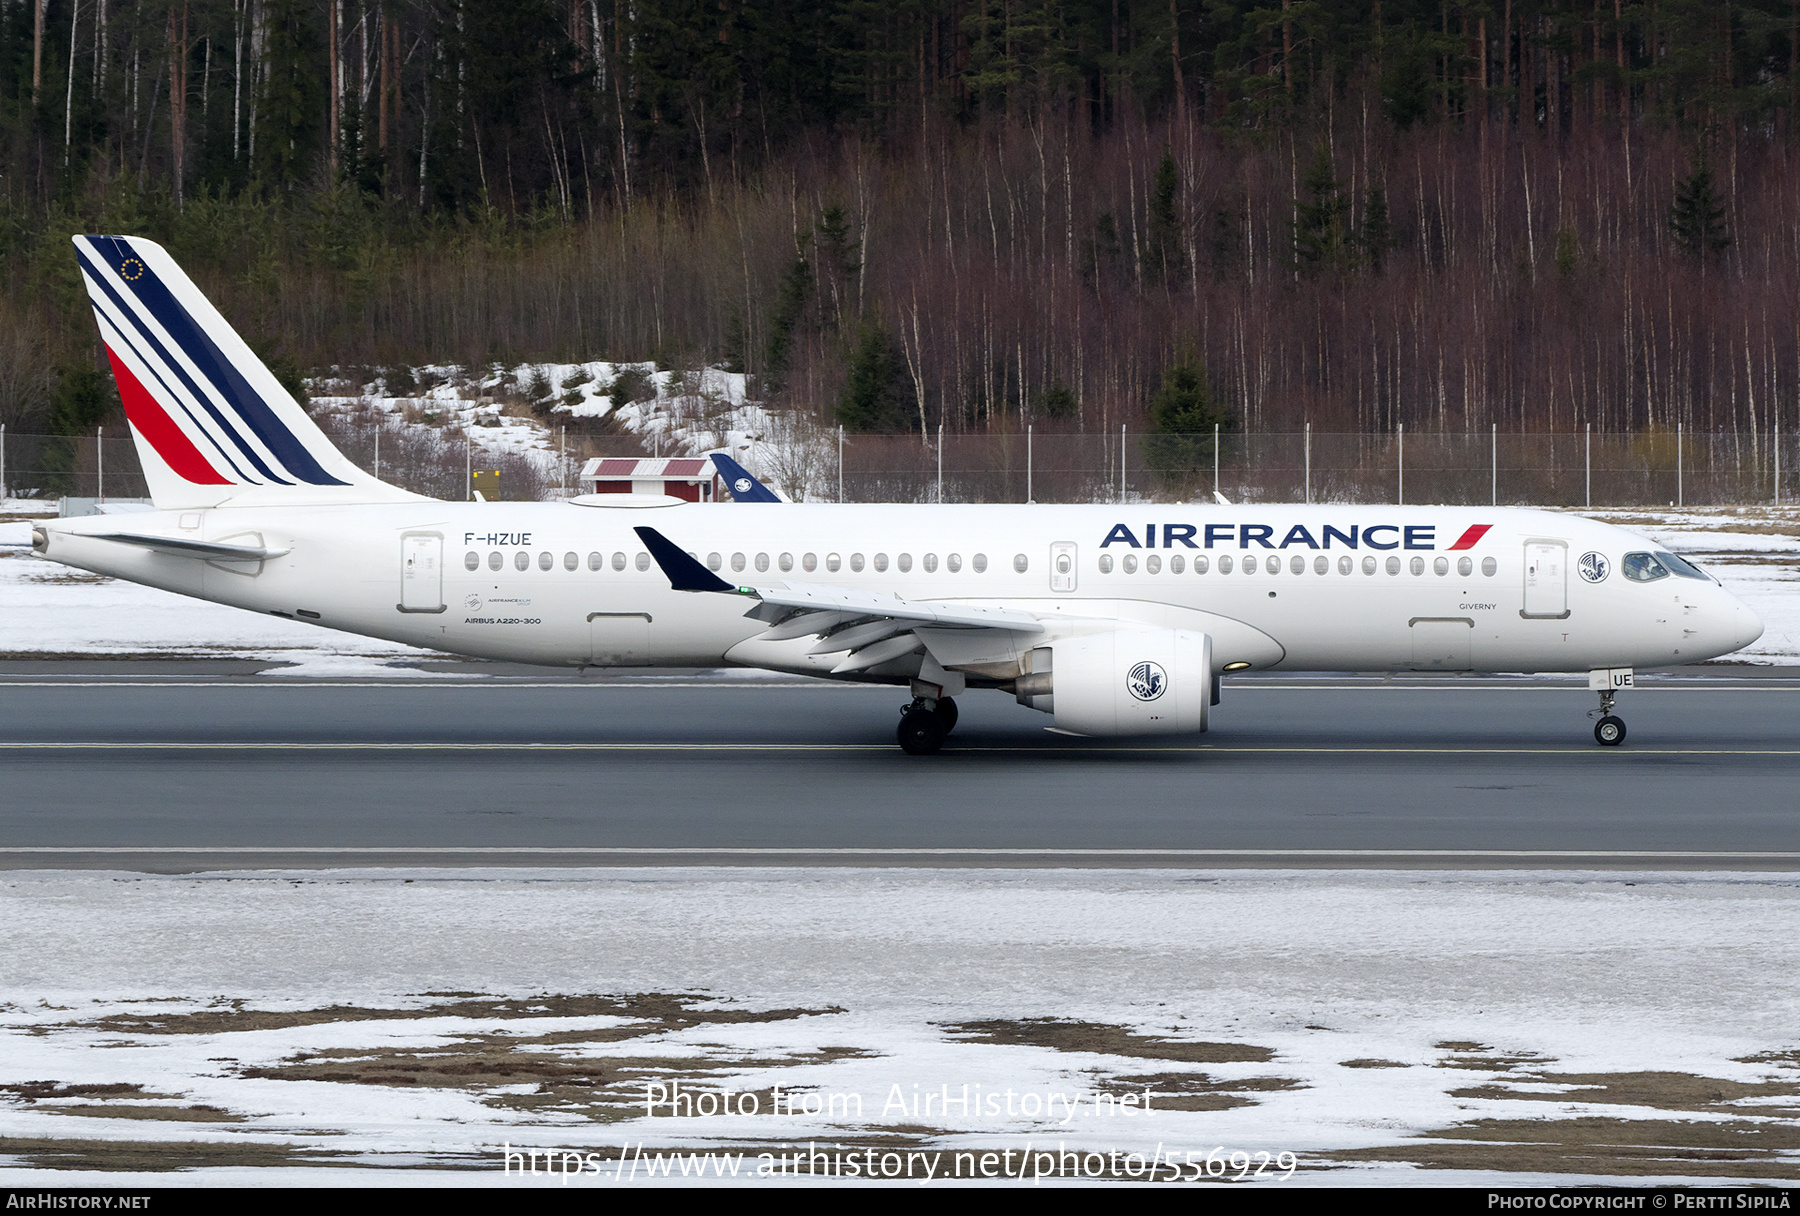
(232, 745)
(776, 851)
(1690, 684)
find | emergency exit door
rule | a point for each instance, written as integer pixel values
(1062, 566)
(422, 572)
(1546, 579)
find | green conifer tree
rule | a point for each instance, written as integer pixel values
(1377, 235)
(872, 400)
(1697, 216)
(1184, 413)
(1165, 253)
(1321, 223)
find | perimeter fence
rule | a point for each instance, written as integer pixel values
(1581, 469)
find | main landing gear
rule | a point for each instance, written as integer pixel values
(925, 723)
(1609, 731)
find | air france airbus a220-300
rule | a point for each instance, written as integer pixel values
(1114, 620)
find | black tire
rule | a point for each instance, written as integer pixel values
(921, 732)
(946, 709)
(1609, 731)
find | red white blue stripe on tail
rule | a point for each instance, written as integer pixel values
(204, 409)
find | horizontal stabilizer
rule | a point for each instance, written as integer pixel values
(203, 549)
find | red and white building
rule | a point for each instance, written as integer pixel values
(694, 478)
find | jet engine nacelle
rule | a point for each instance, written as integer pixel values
(1129, 682)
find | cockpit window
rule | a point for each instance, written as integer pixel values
(1682, 567)
(1643, 568)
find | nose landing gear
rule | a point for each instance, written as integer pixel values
(1609, 731)
(924, 725)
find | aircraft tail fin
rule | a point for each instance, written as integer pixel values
(211, 422)
(743, 487)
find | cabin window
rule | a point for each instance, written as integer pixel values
(496, 560)
(618, 561)
(546, 560)
(472, 561)
(980, 563)
(856, 563)
(1393, 565)
(881, 561)
(953, 563)
(1021, 563)
(1321, 564)
(643, 561)
(930, 563)
(1488, 566)
(1297, 564)
(715, 561)
(1440, 566)
(1177, 564)
(762, 562)
(810, 562)
(786, 562)
(1250, 565)
(1464, 566)
(1345, 565)
(596, 561)
(1106, 563)
(737, 562)
(832, 562)
(1418, 565)
(1201, 563)
(571, 561)
(904, 561)
(1368, 565)
(521, 560)
(1130, 563)
(1153, 564)
(1224, 563)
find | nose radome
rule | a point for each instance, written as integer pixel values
(1749, 626)
(1738, 625)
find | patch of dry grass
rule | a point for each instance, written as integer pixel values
(1105, 1039)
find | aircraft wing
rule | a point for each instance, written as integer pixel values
(872, 626)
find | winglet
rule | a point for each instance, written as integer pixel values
(685, 574)
(743, 487)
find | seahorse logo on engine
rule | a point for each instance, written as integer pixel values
(1147, 681)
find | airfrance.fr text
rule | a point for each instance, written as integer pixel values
(815, 1160)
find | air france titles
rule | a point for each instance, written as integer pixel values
(1243, 536)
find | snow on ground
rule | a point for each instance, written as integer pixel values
(682, 413)
(1380, 1026)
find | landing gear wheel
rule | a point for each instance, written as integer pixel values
(922, 732)
(946, 709)
(1609, 731)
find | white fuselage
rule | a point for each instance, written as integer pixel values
(572, 585)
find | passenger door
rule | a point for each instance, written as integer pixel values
(1546, 579)
(421, 572)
